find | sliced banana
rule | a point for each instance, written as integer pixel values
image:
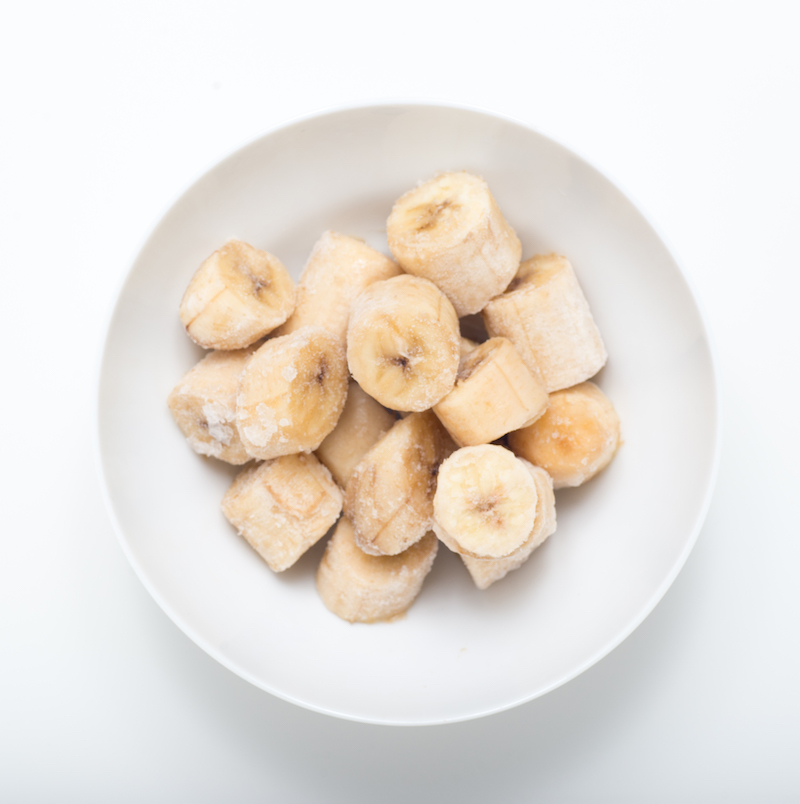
(362, 588)
(339, 268)
(485, 502)
(291, 393)
(546, 316)
(575, 439)
(403, 343)
(451, 231)
(389, 497)
(466, 346)
(238, 295)
(362, 423)
(203, 405)
(485, 571)
(493, 395)
(283, 507)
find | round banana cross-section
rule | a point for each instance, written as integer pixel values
(403, 343)
(451, 231)
(291, 393)
(576, 438)
(485, 502)
(238, 295)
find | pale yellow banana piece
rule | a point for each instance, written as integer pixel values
(485, 571)
(339, 268)
(203, 405)
(576, 438)
(546, 316)
(403, 343)
(362, 423)
(493, 395)
(389, 497)
(238, 295)
(362, 588)
(291, 393)
(466, 346)
(451, 231)
(485, 502)
(283, 507)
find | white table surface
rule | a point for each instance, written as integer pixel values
(109, 112)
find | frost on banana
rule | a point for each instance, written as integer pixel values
(362, 423)
(485, 571)
(494, 394)
(451, 231)
(485, 502)
(339, 268)
(575, 439)
(238, 295)
(546, 316)
(362, 588)
(203, 405)
(403, 343)
(389, 497)
(291, 393)
(282, 507)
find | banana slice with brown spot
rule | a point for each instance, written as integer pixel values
(283, 507)
(403, 343)
(291, 393)
(493, 395)
(451, 231)
(238, 295)
(362, 588)
(576, 437)
(544, 313)
(203, 405)
(485, 502)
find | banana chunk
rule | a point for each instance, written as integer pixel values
(403, 343)
(365, 589)
(283, 507)
(493, 395)
(362, 423)
(203, 405)
(546, 316)
(291, 393)
(485, 571)
(466, 346)
(389, 497)
(339, 268)
(485, 502)
(451, 231)
(575, 439)
(238, 295)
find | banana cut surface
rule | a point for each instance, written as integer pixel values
(238, 295)
(363, 588)
(282, 507)
(451, 231)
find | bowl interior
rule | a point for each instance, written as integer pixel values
(459, 653)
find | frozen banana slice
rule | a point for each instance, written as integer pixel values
(451, 231)
(493, 395)
(238, 295)
(485, 502)
(546, 316)
(291, 393)
(389, 497)
(403, 343)
(466, 346)
(283, 507)
(485, 571)
(339, 268)
(203, 405)
(362, 423)
(576, 438)
(365, 589)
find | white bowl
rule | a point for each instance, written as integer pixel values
(459, 653)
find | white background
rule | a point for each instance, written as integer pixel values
(109, 111)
